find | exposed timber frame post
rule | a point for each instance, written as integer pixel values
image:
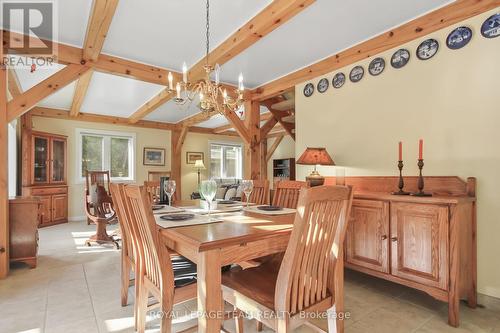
(4, 173)
(178, 136)
(253, 147)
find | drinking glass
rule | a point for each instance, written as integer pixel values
(247, 187)
(169, 188)
(208, 188)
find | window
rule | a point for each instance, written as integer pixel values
(103, 150)
(226, 160)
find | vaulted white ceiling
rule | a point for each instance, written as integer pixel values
(166, 33)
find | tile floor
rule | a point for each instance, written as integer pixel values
(77, 289)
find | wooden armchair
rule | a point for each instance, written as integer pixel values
(99, 206)
(260, 193)
(310, 278)
(286, 193)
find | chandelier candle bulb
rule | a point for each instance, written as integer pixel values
(170, 81)
(224, 95)
(184, 72)
(240, 82)
(178, 88)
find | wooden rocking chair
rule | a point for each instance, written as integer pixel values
(99, 207)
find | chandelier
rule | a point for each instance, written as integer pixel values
(213, 97)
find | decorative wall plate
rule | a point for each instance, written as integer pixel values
(459, 37)
(376, 66)
(323, 85)
(356, 74)
(308, 90)
(427, 49)
(400, 58)
(338, 80)
(491, 27)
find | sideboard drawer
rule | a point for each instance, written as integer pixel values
(49, 190)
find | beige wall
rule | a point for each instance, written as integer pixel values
(451, 101)
(286, 149)
(145, 137)
(197, 142)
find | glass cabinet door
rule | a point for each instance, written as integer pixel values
(58, 161)
(40, 159)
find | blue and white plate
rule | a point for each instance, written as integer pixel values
(338, 80)
(308, 90)
(491, 27)
(400, 58)
(376, 66)
(356, 74)
(459, 37)
(323, 85)
(427, 49)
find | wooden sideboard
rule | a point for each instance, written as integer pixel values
(24, 217)
(44, 174)
(426, 243)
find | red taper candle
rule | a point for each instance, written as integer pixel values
(400, 151)
(420, 149)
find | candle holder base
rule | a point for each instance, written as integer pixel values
(400, 192)
(421, 194)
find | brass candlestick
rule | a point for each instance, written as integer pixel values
(420, 182)
(401, 184)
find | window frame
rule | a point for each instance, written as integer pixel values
(106, 158)
(227, 144)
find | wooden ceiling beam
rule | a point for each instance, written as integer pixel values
(22, 103)
(222, 128)
(441, 18)
(268, 126)
(279, 115)
(275, 145)
(238, 125)
(100, 19)
(67, 54)
(13, 83)
(96, 118)
(270, 18)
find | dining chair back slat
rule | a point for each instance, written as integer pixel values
(260, 193)
(153, 190)
(286, 194)
(306, 274)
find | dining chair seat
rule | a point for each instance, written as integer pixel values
(184, 270)
(256, 283)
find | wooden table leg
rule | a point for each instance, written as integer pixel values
(210, 305)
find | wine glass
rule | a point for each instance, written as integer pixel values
(169, 188)
(247, 187)
(208, 188)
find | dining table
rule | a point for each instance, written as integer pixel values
(239, 237)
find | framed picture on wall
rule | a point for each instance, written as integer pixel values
(154, 156)
(192, 156)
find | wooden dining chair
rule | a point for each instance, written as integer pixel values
(260, 193)
(286, 193)
(153, 190)
(170, 279)
(127, 255)
(310, 278)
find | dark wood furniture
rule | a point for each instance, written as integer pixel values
(99, 206)
(24, 217)
(426, 243)
(310, 277)
(241, 237)
(284, 169)
(44, 174)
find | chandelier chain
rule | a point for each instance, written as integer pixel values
(208, 30)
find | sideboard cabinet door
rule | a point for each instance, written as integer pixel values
(419, 238)
(367, 239)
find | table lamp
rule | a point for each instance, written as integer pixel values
(198, 164)
(315, 156)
